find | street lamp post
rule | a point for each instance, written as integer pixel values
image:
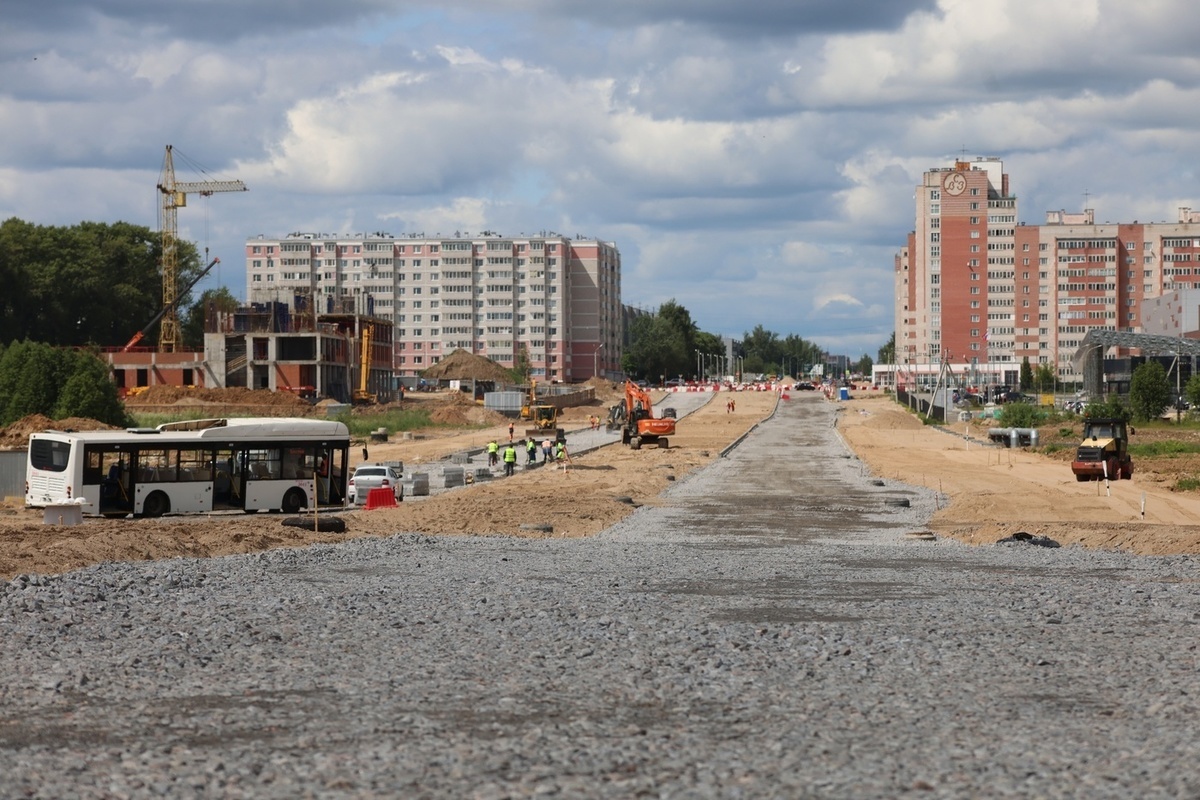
(596, 360)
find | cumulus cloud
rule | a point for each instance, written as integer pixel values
(754, 162)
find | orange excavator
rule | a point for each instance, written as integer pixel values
(635, 418)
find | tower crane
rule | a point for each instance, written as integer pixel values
(174, 197)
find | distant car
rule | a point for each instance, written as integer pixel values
(373, 476)
(969, 400)
(805, 386)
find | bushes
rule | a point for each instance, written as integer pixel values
(1021, 415)
(39, 379)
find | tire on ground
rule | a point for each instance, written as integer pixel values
(326, 524)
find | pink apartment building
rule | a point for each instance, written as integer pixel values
(550, 300)
(981, 291)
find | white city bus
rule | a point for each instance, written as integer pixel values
(251, 464)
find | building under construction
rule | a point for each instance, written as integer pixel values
(344, 356)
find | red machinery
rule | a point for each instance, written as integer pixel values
(635, 417)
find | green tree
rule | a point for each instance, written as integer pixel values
(1044, 378)
(194, 319)
(1191, 391)
(764, 350)
(864, 366)
(36, 378)
(1021, 415)
(1111, 406)
(30, 378)
(1149, 391)
(90, 392)
(91, 283)
(1026, 375)
(656, 350)
(887, 353)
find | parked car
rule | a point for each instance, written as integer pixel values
(969, 400)
(373, 476)
(1014, 397)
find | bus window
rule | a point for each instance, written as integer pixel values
(195, 465)
(263, 465)
(93, 465)
(294, 464)
(155, 467)
(49, 455)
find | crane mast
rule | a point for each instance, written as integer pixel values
(174, 197)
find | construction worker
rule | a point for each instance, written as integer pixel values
(323, 477)
(560, 450)
(530, 450)
(510, 432)
(493, 451)
(510, 458)
(545, 450)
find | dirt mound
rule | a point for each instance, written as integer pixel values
(456, 413)
(233, 396)
(606, 390)
(16, 435)
(461, 365)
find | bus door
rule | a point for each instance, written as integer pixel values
(108, 480)
(229, 483)
(194, 488)
(339, 475)
(263, 470)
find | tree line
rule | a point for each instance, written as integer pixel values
(69, 290)
(669, 344)
(93, 283)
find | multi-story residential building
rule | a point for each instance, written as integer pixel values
(982, 292)
(548, 302)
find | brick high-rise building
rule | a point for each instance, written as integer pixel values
(981, 292)
(549, 299)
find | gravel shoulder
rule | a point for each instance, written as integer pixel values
(765, 628)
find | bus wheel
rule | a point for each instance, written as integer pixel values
(293, 500)
(156, 505)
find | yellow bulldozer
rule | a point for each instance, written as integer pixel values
(542, 416)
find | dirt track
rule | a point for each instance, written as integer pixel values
(994, 492)
(991, 493)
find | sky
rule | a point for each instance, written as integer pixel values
(755, 161)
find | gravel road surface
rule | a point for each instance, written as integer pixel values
(769, 631)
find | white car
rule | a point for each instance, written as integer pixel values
(373, 476)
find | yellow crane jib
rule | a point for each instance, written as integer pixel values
(174, 197)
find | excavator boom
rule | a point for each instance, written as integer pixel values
(137, 337)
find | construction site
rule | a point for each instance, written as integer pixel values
(337, 352)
